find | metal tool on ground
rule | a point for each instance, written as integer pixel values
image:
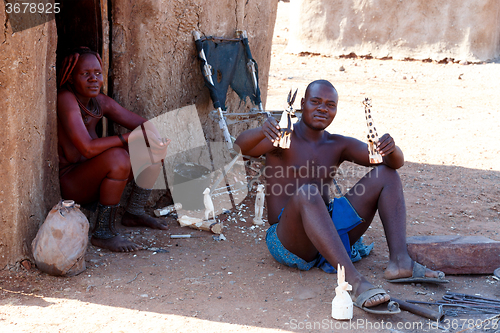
(454, 304)
(420, 311)
(184, 236)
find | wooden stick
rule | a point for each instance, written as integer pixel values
(196, 223)
(167, 210)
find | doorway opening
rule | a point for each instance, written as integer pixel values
(84, 23)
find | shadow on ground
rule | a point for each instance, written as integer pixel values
(201, 282)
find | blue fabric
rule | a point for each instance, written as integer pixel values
(282, 255)
(359, 250)
(344, 217)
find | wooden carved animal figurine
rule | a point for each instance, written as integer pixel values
(286, 129)
(342, 302)
(372, 136)
(209, 205)
(287, 120)
(259, 205)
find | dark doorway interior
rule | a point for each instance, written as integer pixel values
(78, 23)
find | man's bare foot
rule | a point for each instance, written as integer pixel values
(358, 289)
(115, 244)
(144, 220)
(404, 269)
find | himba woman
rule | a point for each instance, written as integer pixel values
(98, 169)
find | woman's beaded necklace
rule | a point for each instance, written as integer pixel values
(95, 109)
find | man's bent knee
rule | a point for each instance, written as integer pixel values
(384, 172)
(308, 193)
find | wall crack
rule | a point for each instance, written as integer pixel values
(5, 29)
(236, 13)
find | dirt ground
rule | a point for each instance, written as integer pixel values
(445, 117)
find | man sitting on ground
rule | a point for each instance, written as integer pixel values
(299, 209)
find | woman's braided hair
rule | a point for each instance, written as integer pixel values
(70, 62)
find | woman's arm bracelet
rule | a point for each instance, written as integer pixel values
(125, 144)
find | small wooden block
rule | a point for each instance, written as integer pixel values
(456, 254)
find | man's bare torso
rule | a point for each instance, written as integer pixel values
(304, 163)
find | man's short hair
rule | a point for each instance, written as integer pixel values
(321, 82)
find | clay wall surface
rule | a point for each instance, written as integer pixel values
(154, 67)
(421, 29)
(28, 135)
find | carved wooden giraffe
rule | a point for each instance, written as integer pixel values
(372, 136)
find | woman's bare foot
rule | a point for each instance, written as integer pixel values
(144, 220)
(404, 269)
(115, 244)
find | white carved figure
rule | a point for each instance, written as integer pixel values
(287, 120)
(209, 205)
(375, 157)
(259, 205)
(286, 129)
(342, 302)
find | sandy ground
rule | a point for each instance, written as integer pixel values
(445, 117)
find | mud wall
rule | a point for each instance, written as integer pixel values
(421, 29)
(155, 70)
(154, 67)
(28, 152)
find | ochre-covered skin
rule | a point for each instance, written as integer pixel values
(93, 168)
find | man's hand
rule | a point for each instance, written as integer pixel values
(271, 129)
(393, 156)
(386, 145)
(259, 141)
